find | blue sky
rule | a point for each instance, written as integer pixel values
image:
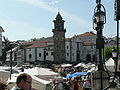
(26, 19)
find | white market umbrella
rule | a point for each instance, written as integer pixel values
(40, 71)
(110, 65)
(80, 65)
(66, 65)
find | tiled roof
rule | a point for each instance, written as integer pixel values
(67, 39)
(89, 44)
(87, 34)
(36, 44)
(43, 43)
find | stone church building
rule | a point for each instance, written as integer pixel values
(57, 49)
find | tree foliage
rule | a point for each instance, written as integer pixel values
(108, 52)
(6, 47)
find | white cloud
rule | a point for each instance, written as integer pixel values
(44, 5)
(6, 21)
(40, 4)
(76, 19)
(52, 2)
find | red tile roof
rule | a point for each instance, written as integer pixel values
(67, 39)
(36, 44)
(87, 34)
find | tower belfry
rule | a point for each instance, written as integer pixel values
(59, 39)
(59, 22)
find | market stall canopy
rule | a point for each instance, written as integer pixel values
(77, 74)
(80, 65)
(4, 75)
(110, 65)
(66, 65)
(59, 78)
(37, 83)
(93, 69)
(89, 65)
(40, 71)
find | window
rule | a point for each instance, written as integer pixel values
(92, 47)
(72, 54)
(67, 54)
(39, 54)
(67, 47)
(51, 53)
(46, 54)
(30, 55)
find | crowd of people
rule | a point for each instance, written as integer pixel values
(24, 81)
(75, 83)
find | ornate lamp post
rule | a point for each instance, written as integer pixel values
(117, 18)
(99, 19)
(100, 77)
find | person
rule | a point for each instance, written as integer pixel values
(55, 87)
(80, 86)
(60, 85)
(87, 85)
(23, 82)
(75, 87)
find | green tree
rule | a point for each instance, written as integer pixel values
(108, 52)
(6, 47)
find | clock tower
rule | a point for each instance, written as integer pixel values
(59, 39)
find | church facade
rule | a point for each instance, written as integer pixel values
(57, 49)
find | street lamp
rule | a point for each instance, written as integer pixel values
(114, 53)
(100, 77)
(99, 19)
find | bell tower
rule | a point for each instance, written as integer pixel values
(59, 39)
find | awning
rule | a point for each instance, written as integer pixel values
(77, 74)
(66, 65)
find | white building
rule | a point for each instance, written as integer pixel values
(79, 48)
(73, 48)
(89, 43)
(1, 30)
(40, 51)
